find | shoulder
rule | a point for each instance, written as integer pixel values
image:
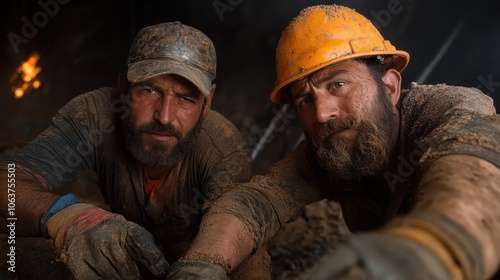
(219, 156)
(220, 134)
(445, 97)
(426, 107)
(216, 122)
(450, 120)
(91, 106)
(98, 100)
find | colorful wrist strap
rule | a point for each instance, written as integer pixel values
(63, 202)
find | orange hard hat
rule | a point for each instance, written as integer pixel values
(323, 35)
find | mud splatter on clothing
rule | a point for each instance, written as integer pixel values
(436, 121)
(86, 135)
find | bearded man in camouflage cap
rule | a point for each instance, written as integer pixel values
(161, 156)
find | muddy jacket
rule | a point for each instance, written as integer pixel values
(435, 121)
(86, 135)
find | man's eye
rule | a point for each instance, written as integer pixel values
(149, 91)
(303, 102)
(306, 100)
(337, 85)
(186, 99)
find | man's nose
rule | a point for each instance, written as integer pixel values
(165, 110)
(327, 107)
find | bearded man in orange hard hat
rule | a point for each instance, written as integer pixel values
(415, 171)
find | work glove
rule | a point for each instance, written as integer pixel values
(422, 246)
(96, 244)
(194, 270)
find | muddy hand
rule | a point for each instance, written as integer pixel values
(419, 245)
(96, 244)
(379, 256)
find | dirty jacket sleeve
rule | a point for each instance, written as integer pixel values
(458, 172)
(266, 203)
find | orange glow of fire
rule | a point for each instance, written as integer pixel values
(27, 72)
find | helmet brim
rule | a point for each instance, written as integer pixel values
(397, 59)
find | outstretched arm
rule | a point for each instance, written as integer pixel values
(244, 218)
(223, 239)
(452, 232)
(466, 189)
(92, 242)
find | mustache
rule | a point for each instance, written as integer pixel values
(336, 125)
(154, 127)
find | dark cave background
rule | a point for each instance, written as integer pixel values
(83, 45)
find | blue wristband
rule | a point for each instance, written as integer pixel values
(63, 202)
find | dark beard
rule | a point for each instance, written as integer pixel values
(160, 154)
(371, 152)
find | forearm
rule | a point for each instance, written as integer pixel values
(244, 218)
(241, 221)
(466, 189)
(223, 239)
(32, 199)
(233, 227)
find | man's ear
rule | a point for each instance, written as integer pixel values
(208, 101)
(392, 82)
(123, 84)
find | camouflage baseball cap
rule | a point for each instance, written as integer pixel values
(173, 48)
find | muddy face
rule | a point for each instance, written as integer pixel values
(157, 153)
(368, 155)
(349, 118)
(166, 114)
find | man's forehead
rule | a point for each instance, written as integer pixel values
(337, 68)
